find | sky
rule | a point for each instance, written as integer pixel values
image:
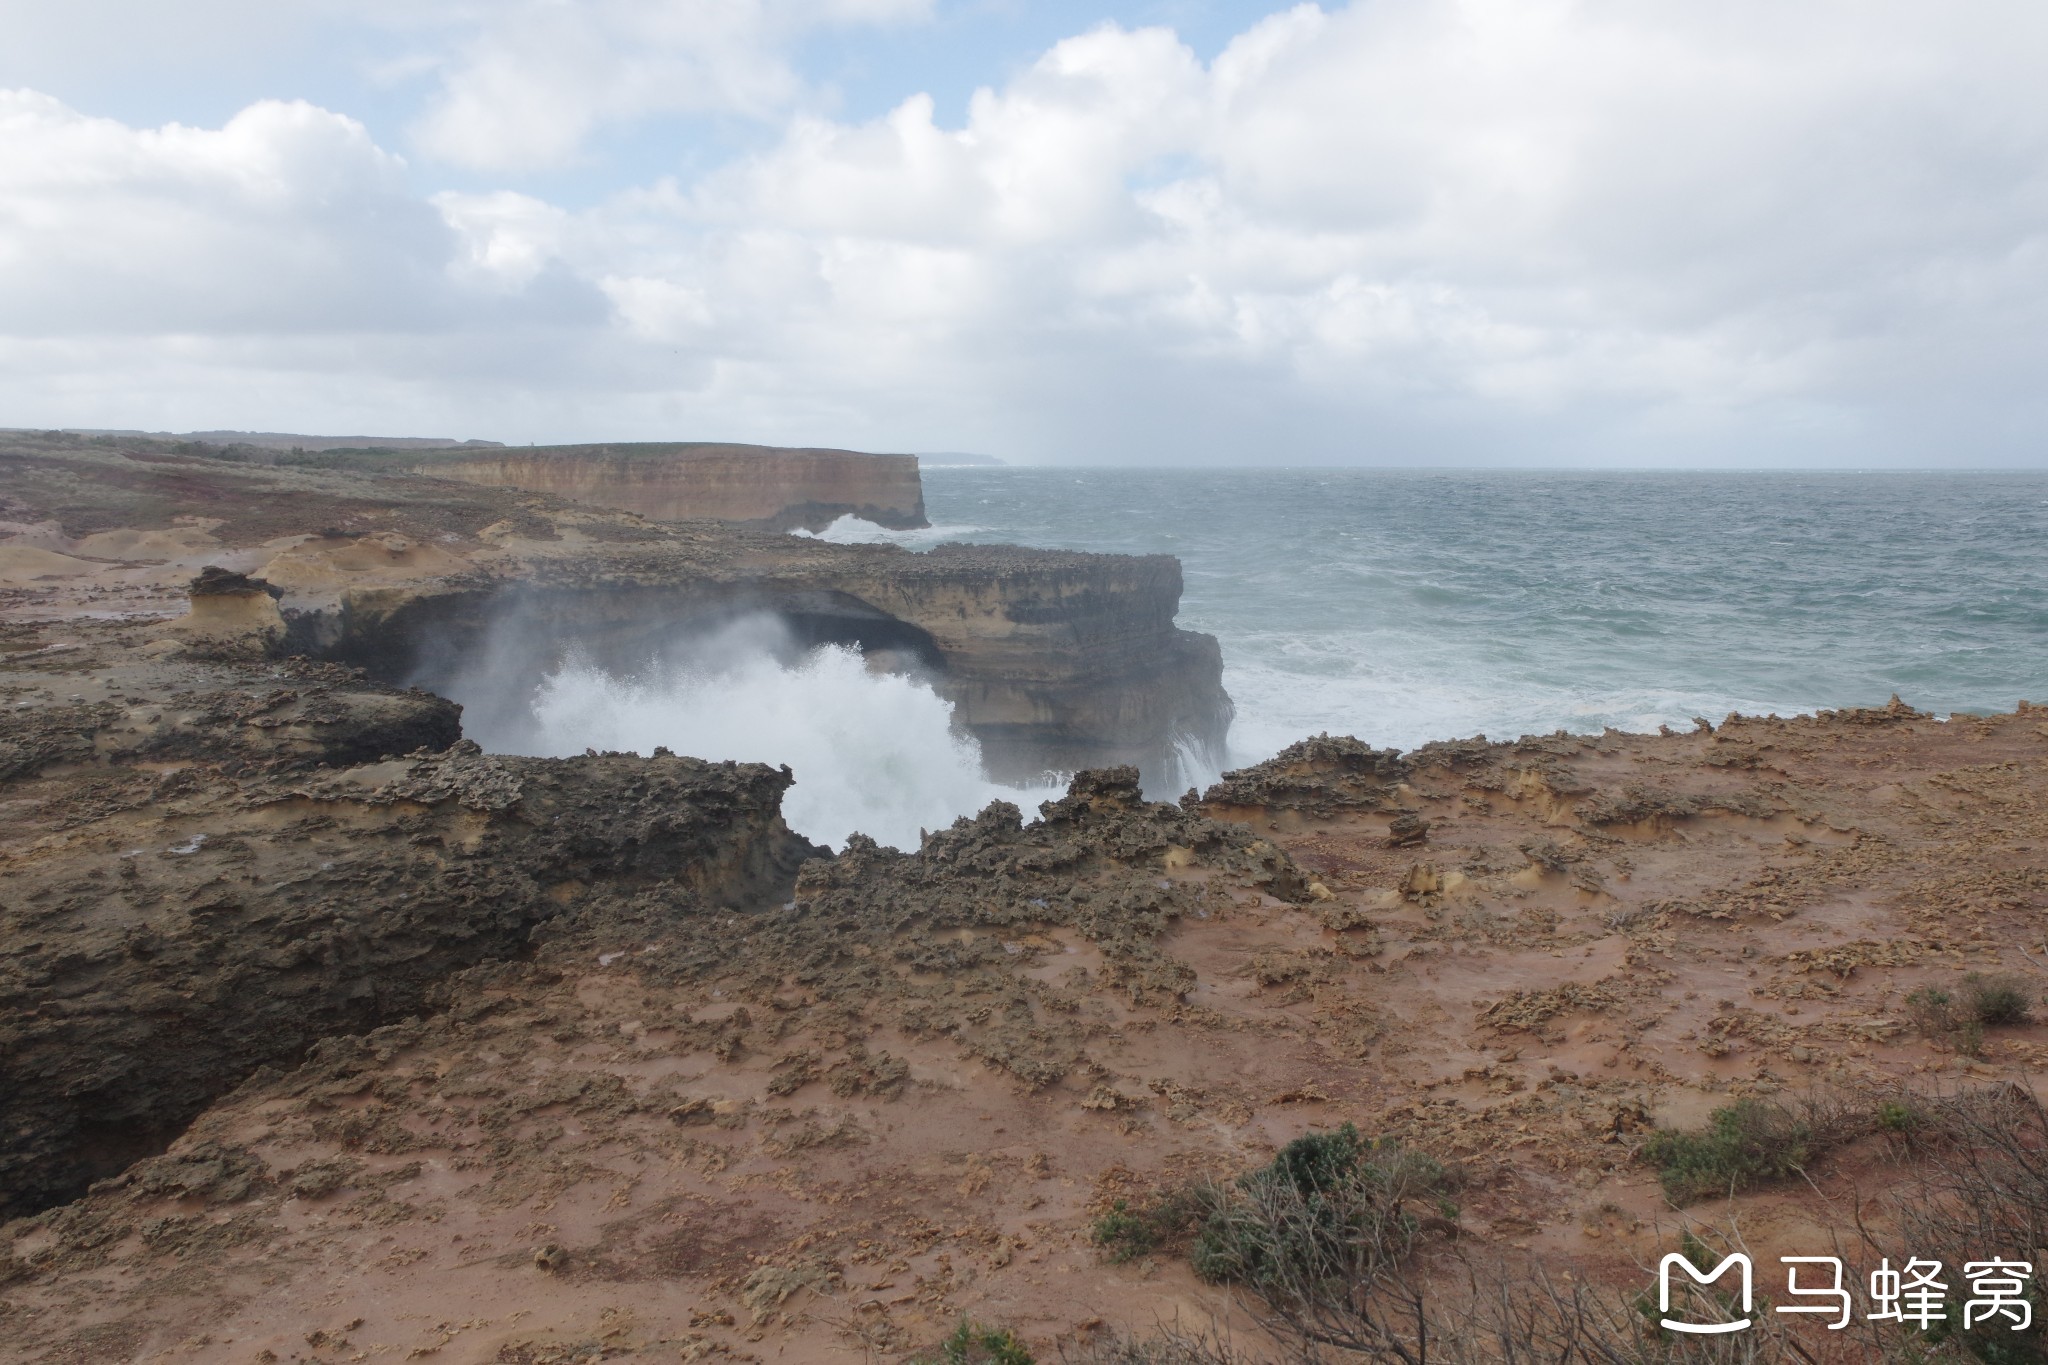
(1802, 233)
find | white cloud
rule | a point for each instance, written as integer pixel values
(1046, 160)
(1452, 228)
(286, 217)
(1527, 207)
(507, 239)
(535, 78)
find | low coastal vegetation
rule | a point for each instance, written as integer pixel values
(1755, 1142)
(975, 1344)
(1743, 1145)
(1959, 1016)
(1328, 1204)
(1347, 1248)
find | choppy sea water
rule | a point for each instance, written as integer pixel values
(1401, 607)
(1404, 606)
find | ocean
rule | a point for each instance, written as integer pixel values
(1403, 606)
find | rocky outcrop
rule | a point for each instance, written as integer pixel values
(1059, 660)
(276, 719)
(1322, 776)
(200, 894)
(231, 613)
(1053, 660)
(763, 485)
(1092, 860)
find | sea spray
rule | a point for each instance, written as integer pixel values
(873, 752)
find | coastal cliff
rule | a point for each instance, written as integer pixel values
(1053, 660)
(1062, 660)
(243, 832)
(776, 487)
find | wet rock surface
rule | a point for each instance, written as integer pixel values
(267, 718)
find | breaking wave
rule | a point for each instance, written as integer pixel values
(852, 530)
(873, 752)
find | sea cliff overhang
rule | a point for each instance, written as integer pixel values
(1054, 661)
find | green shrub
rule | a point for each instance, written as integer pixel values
(1329, 1205)
(1933, 1010)
(1960, 1017)
(1742, 1145)
(1902, 1118)
(1994, 1001)
(1127, 1233)
(973, 1344)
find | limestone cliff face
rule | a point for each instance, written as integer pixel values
(768, 485)
(1060, 660)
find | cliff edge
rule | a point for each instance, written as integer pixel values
(770, 486)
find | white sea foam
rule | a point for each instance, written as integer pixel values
(872, 752)
(1403, 708)
(852, 530)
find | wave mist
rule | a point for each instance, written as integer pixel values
(874, 751)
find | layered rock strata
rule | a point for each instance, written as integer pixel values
(767, 486)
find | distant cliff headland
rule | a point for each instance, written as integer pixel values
(773, 486)
(777, 487)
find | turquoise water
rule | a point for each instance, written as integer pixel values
(1404, 606)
